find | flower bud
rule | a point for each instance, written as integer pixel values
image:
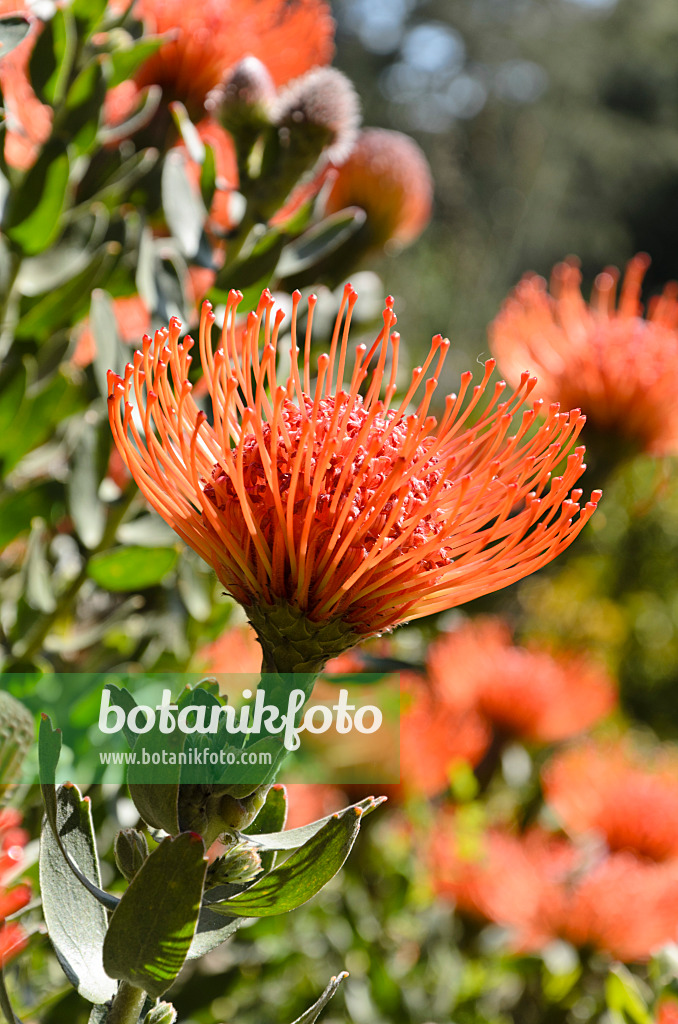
(388, 176)
(244, 96)
(239, 865)
(314, 118)
(163, 1013)
(321, 112)
(213, 809)
(130, 850)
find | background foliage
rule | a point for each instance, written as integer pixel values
(550, 126)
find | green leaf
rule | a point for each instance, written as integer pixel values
(296, 837)
(184, 209)
(13, 30)
(11, 397)
(151, 930)
(623, 996)
(39, 592)
(194, 588)
(76, 921)
(83, 107)
(73, 254)
(131, 568)
(208, 177)
(270, 819)
(111, 354)
(88, 15)
(122, 698)
(314, 1011)
(124, 61)
(52, 58)
(302, 875)
(33, 215)
(17, 511)
(210, 932)
(38, 416)
(256, 269)
(49, 749)
(5, 1004)
(320, 241)
(82, 490)
(155, 788)
(195, 147)
(66, 305)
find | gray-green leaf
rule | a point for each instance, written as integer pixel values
(151, 930)
(75, 919)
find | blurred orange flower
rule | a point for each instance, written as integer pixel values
(334, 516)
(668, 1013)
(620, 793)
(540, 888)
(434, 737)
(388, 176)
(28, 121)
(209, 38)
(132, 319)
(307, 802)
(521, 692)
(13, 938)
(616, 365)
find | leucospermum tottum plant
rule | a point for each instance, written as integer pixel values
(329, 508)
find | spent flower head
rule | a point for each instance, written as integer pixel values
(329, 508)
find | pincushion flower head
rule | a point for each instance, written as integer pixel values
(605, 357)
(327, 507)
(205, 40)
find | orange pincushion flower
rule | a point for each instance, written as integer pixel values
(521, 692)
(613, 790)
(434, 737)
(288, 36)
(12, 840)
(346, 513)
(542, 888)
(625, 907)
(619, 367)
(388, 176)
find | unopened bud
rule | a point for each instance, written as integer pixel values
(321, 112)
(249, 87)
(130, 850)
(388, 176)
(163, 1013)
(211, 810)
(239, 865)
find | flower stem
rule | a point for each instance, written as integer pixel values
(127, 1005)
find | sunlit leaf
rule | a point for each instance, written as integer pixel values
(151, 930)
(131, 568)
